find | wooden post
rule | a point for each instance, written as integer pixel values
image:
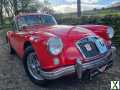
(78, 8)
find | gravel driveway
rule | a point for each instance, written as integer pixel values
(13, 77)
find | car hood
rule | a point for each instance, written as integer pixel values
(62, 31)
(68, 34)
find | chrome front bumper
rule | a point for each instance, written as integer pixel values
(79, 68)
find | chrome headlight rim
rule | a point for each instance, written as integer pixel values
(110, 32)
(53, 50)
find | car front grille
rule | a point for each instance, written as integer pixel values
(91, 46)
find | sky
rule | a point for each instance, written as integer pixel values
(65, 6)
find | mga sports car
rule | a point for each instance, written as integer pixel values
(50, 51)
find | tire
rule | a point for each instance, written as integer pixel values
(86, 76)
(36, 80)
(10, 49)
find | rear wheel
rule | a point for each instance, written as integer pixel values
(32, 67)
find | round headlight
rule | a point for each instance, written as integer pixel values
(55, 45)
(110, 32)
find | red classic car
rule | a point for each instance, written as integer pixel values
(50, 51)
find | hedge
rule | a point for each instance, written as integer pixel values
(111, 20)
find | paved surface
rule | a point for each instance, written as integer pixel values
(13, 77)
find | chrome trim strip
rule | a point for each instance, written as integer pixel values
(59, 72)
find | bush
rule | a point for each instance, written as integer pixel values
(110, 20)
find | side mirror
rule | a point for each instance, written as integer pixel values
(23, 26)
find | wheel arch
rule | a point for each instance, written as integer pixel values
(27, 44)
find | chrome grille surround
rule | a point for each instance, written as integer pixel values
(88, 39)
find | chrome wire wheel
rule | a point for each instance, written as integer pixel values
(34, 66)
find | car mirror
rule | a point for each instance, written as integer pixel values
(23, 26)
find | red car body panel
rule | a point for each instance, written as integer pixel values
(39, 34)
(98, 29)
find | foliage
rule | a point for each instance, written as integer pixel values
(10, 8)
(47, 8)
(1, 11)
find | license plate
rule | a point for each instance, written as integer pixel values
(88, 47)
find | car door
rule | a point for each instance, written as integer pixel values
(19, 38)
(12, 34)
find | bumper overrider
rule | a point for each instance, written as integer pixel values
(94, 67)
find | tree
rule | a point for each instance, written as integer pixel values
(13, 7)
(15, 3)
(47, 8)
(1, 12)
(10, 8)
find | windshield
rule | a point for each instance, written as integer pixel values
(31, 20)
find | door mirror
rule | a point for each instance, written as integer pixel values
(22, 26)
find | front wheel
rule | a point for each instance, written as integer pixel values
(32, 67)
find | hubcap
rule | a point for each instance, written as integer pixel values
(34, 66)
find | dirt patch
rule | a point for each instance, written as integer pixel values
(13, 77)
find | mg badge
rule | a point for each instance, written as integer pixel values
(88, 47)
